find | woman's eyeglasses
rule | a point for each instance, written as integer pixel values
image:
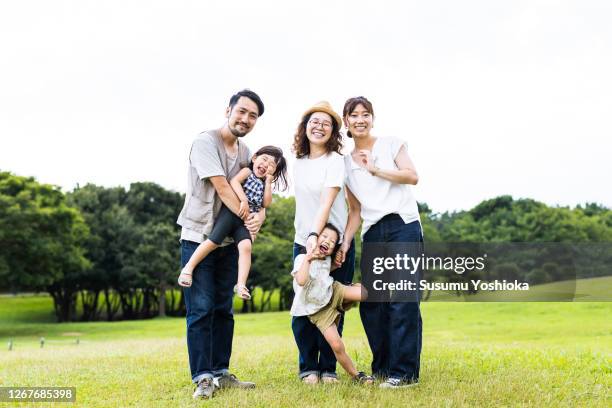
(316, 123)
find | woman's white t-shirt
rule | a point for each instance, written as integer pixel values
(379, 197)
(311, 177)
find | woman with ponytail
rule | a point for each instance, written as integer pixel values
(379, 173)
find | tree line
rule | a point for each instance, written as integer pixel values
(113, 253)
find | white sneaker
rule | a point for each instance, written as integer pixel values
(204, 389)
(230, 381)
(397, 383)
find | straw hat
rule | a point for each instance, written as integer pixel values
(324, 106)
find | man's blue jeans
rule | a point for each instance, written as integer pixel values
(315, 355)
(394, 329)
(210, 317)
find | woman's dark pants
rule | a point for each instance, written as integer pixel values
(394, 329)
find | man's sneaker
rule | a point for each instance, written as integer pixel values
(230, 381)
(397, 383)
(204, 389)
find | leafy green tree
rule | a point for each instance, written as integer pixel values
(154, 265)
(122, 224)
(272, 264)
(112, 241)
(279, 218)
(40, 241)
(428, 222)
(151, 203)
(101, 208)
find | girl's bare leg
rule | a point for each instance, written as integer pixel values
(337, 345)
(205, 248)
(244, 266)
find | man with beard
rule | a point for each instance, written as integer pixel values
(215, 157)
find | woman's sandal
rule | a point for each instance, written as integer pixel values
(362, 378)
(185, 279)
(311, 379)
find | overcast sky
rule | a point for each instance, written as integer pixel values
(492, 97)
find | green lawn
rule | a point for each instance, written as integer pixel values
(475, 354)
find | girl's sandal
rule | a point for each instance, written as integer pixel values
(362, 378)
(242, 292)
(185, 279)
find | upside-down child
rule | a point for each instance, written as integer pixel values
(322, 299)
(253, 186)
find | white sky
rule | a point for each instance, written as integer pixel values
(492, 97)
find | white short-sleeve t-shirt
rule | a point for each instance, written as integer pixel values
(317, 292)
(311, 177)
(379, 197)
(207, 158)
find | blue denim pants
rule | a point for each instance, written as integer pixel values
(315, 355)
(394, 329)
(210, 316)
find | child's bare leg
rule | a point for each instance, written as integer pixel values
(198, 255)
(337, 345)
(355, 293)
(244, 266)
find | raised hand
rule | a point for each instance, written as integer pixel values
(311, 244)
(271, 170)
(365, 156)
(315, 254)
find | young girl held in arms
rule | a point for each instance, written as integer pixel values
(253, 186)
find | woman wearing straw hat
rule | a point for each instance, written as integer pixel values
(378, 174)
(319, 196)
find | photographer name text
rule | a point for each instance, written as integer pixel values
(474, 284)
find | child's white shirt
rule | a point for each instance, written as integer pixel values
(317, 292)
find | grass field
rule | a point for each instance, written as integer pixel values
(475, 354)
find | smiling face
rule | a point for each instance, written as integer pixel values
(262, 163)
(241, 117)
(359, 121)
(319, 128)
(327, 241)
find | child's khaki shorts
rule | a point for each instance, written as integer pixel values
(331, 312)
